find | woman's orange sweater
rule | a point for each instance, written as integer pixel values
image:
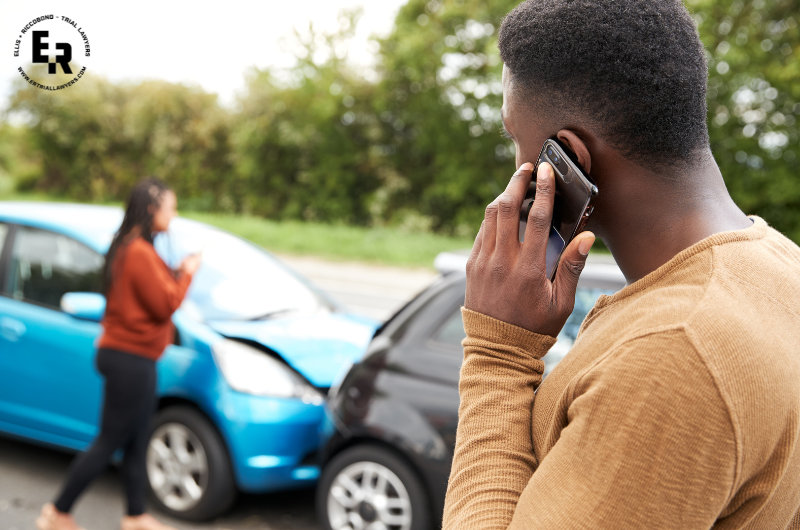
(140, 301)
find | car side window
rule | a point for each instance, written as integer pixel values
(584, 301)
(44, 266)
(451, 332)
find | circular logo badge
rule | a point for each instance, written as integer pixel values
(52, 52)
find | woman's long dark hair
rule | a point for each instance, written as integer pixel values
(143, 201)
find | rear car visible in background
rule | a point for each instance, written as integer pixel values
(395, 412)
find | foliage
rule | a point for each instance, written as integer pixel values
(384, 245)
(303, 142)
(439, 106)
(415, 146)
(97, 138)
(16, 160)
(753, 101)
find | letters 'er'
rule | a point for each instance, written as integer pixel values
(63, 59)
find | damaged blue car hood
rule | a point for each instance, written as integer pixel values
(318, 346)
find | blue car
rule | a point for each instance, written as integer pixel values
(241, 389)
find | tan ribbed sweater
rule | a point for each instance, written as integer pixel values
(678, 406)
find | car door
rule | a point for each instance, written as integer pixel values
(424, 370)
(50, 391)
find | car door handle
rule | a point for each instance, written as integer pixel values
(11, 329)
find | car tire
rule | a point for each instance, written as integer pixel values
(184, 444)
(343, 491)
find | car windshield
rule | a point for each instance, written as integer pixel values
(237, 279)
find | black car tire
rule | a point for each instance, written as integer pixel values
(220, 487)
(420, 510)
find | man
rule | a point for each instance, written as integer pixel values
(679, 404)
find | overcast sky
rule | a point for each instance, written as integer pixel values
(211, 44)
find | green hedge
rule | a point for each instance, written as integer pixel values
(413, 145)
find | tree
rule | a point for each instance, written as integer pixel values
(304, 138)
(753, 101)
(418, 147)
(439, 108)
(17, 162)
(97, 138)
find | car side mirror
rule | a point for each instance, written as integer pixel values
(84, 306)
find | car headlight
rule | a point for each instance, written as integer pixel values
(252, 371)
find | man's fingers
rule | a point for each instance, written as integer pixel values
(499, 211)
(476, 248)
(518, 184)
(540, 217)
(489, 228)
(570, 267)
(508, 205)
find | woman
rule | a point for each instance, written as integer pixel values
(142, 292)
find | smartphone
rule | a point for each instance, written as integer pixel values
(576, 194)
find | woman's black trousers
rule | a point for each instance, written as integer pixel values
(128, 404)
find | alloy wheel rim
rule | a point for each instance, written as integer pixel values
(368, 496)
(177, 467)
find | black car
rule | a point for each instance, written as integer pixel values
(395, 412)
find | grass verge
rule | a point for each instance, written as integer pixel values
(386, 246)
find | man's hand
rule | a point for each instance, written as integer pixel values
(507, 280)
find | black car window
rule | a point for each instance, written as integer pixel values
(45, 265)
(584, 302)
(451, 332)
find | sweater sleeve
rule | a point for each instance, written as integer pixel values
(493, 458)
(649, 441)
(156, 289)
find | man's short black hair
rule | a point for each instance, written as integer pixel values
(633, 70)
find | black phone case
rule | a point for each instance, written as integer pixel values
(574, 199)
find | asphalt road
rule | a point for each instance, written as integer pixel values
(370, 290)
(31, 475)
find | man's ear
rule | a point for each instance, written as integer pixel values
(578, 147)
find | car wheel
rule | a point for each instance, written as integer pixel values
(368, 487)
(188, 470)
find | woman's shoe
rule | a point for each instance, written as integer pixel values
(52, 519)
(143, 522)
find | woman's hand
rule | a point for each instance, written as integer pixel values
(190, 264)
(507, 280)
